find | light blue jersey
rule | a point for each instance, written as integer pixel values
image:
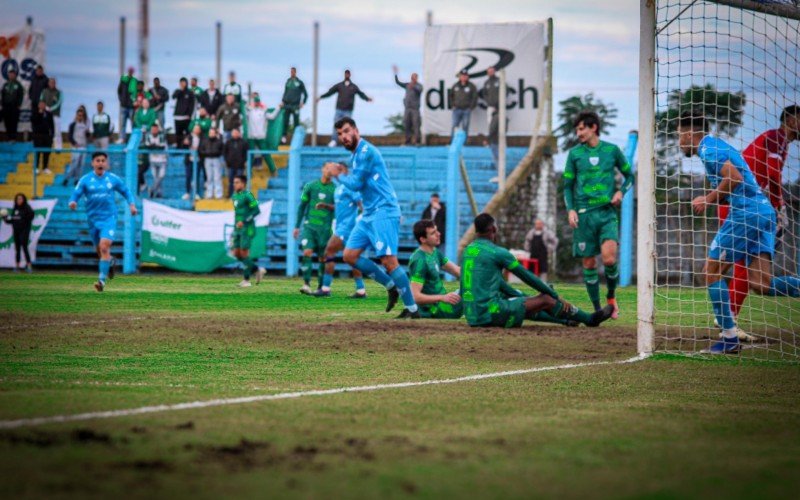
(346, 202)
(99, 192)
(747, 196)
(370, 178)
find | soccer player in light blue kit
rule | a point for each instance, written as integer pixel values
(98, 187)
(347, 204)
(748, 232)
(379, 226)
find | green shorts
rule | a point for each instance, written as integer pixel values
(507, 313)
(243, 238)
(315, 239)
(594, 227)
(442, 310)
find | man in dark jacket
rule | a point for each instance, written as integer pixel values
(211, 99)
(235, 153)
(345, 101)
(411, 102)
(38, 84)
(126, 92)
(12, 96)
(435, 211)
(229, 116)
(211, 151)
(159, 101)
(21, 220)
(184, 108)
(294, 97)
(464, 97)
(43, 130)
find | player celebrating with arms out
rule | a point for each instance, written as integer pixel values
(347, 205)
(424, 266)
(315, 212)
(98, 187)
(245, 210)
(379, 226)
(747, 233)
(592, 198)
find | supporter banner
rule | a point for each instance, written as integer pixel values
(42, 209)
(195, 242)
(21, 50)
(519, 48)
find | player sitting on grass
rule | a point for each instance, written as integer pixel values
(348, 204)
(315, 213)
(98, 187)
(424, 267)
(490, 301)
(747, 233)
(245, 209)
(592, 198)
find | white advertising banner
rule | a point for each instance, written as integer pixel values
(42, 209)
(518, 48)
(21, 49)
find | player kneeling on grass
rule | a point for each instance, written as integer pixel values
(748, 232)
(245, 209)
(424, 267)
(490, 301)
(98, 187)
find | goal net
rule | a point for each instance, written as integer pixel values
(736, 62)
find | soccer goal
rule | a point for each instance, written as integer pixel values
(736, 62)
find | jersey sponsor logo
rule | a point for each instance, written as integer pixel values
(594, 160)
(505, 57)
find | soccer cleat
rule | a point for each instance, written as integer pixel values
(99, 286)
(306, 290)
(726, 346)
(600, 316)
(244, 284)
(406, 314)
(357, 295)
(260, 275)
(322, 293)
(613, 303)
(111, 268)
(743, 335)
(394, 296)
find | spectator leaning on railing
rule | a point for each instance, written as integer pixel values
(160, 100)
(12, 96)
(53, 98)
(211, 149)
(101, 127)
(78, 135)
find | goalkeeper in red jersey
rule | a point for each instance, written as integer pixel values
(765, 156)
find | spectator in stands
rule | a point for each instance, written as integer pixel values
(140, 95)
(490, 93)
(192, 143)
(12, 96)
(540, 242)
(436, 212)
(78, 135)
(211, 149)
(156, 143)
(53, 98)
(294, 98)
(411, 103)
(21, 220)
(211, 99)
(145, 116)
(345, 101)
(198, 93)
(184, 109)
(229, 116)
(159, 101)
(464, 96)
(203, 120)
(235, 153)
(126, 93)
(37, 86)
(42, 129)
(101, 127)
(233, 88)
(257, 124)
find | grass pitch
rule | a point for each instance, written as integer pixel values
(666, 426)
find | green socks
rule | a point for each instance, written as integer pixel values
(592, 281)
(320, 274)
(612, 279)
(305, 268)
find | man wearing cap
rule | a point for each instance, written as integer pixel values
(464, 96)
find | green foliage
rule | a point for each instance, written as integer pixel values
(394, 124)
(572, 106)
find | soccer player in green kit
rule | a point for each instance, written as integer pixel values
(424, 266)
(592, 199)
(245, 209)
(315, 213)
(490, 301)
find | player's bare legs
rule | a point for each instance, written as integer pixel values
(548, 309)
(352, 256)
(104, 254)
(333, 247)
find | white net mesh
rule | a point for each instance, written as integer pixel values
(739, 68)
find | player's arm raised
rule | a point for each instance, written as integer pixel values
(730, 179)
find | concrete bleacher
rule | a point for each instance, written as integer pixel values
(416, 172)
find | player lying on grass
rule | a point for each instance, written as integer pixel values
(245, 209)
(748, 232)
(379, 227)
(592, 198)
(347, 206)
(315, 213)
(765, 156)
(490, 301)
(424, 267)
(98, 186)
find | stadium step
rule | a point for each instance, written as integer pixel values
(213, 205)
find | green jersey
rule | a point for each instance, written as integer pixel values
(101, 125)
(245, 207)
(425, 268)
(590, 177)
(197, 91)
(145, 118)
(205, 125)
(316, 192)
(482, 283)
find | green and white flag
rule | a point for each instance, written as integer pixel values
(42, 209)
(195, 242)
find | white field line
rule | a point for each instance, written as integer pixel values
(28, 422)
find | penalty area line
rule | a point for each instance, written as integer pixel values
(78, 417)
